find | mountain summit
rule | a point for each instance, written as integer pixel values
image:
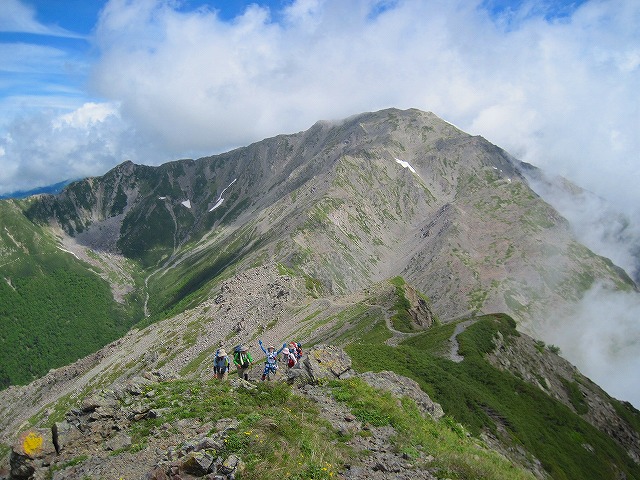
(392, 234)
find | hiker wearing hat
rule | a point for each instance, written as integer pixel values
(289, 357)
(271, 363)
(221, 364)
(242, 360)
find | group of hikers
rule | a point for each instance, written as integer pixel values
(243, 360)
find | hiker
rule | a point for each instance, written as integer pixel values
(271, 362)
(290, 357)
(296, 348)
(221, 364)
(242, 360)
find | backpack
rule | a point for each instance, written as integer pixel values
(291, 360)
(236, 357)
(224, 360)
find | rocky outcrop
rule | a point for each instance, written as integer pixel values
(98, 438)
(95, 441)
(328, 362)
(538, 365)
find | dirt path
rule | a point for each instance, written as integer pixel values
(453, 340)
(398, 336)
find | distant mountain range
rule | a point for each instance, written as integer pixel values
(49, 189)
(380, 230)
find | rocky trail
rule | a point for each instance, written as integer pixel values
(95, 440)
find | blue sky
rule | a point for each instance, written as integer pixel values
(86, 85)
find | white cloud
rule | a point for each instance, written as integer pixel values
(603, 340)
(86, 116)
(43, 147)
(16, 16)
(559, 94)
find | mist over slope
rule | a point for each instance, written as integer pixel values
(603, 334)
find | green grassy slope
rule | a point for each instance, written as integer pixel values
(53, 308)
(481, 397)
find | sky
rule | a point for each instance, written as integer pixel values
(86, 85)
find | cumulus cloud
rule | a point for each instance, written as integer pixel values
(556, 91)
(42, 146)
(559, 93)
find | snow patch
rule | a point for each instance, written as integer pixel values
(69, 251)
(406, 165)
(220, 198)
(217, 204)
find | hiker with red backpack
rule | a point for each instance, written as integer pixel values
(289, 357)
(296, 349)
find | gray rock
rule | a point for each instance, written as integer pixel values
(63, 434)
(197, 463)
(118, 442)
(403, 386)
(231, 464)
(326, 362)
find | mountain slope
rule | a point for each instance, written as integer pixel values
(504, 389)
(54, 308)
(343, 204)
(384, 233)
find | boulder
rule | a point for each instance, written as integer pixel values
(231, 464)
(119, 442)
(35, 443)
(64, 433)
(33, 449)
(327, 362)
(197, 463)
(403, 386)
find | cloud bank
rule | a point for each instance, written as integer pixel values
(602, 338)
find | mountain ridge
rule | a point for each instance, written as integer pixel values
(384, 229)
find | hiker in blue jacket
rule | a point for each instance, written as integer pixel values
(221, 364)
(271, 362)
